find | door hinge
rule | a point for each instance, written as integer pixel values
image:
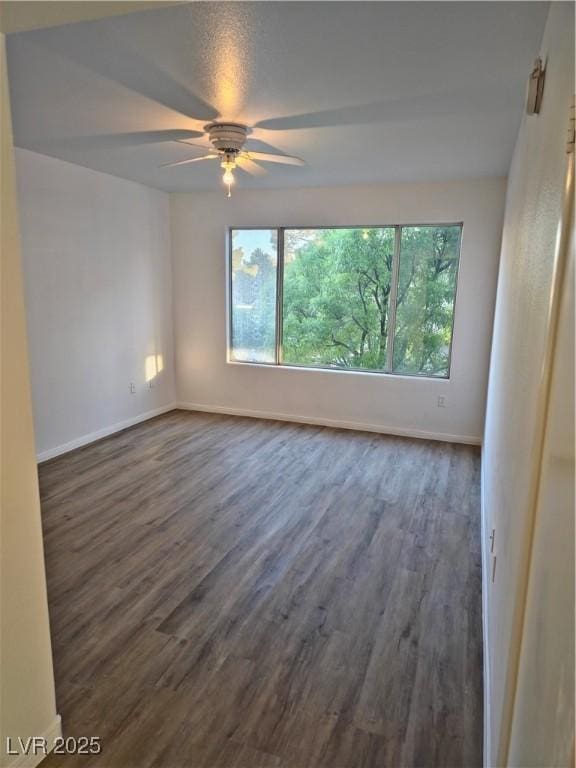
(535, 88)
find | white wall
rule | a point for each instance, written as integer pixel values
(27, 705)
(388, 403)
(520, 364)
(96, 253)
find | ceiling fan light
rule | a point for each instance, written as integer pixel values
(228, 177)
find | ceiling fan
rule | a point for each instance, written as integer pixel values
(227, 140)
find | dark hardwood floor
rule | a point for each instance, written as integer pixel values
(230, 592)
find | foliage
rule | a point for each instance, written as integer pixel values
(336, 290)
(426, 288)
(336, 299)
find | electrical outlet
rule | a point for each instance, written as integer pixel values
(441, 402)
(132, 388)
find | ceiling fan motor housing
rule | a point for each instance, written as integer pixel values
(227, 137)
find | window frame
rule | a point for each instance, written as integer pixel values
(278, 362)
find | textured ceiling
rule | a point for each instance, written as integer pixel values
(364, 92)
(17, 16)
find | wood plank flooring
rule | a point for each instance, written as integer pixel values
(234, 593)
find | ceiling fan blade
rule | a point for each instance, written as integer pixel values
(188, 143)
(119, 140)
(250, 166)
(359, 115)
(257, 145)
(190, 160)
(416, 107)
(128, 66)
(269, 158)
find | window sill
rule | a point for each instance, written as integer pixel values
(345, 371)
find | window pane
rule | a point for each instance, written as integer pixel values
(425, 304)
(254, 264)
(335, 296)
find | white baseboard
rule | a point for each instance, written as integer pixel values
(485, 630)
(359, 426)
(52, 732)
(104, 432)
(322, 422)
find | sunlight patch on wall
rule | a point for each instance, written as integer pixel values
(153, 366)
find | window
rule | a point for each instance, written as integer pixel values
(254, 277)
(370, 298)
